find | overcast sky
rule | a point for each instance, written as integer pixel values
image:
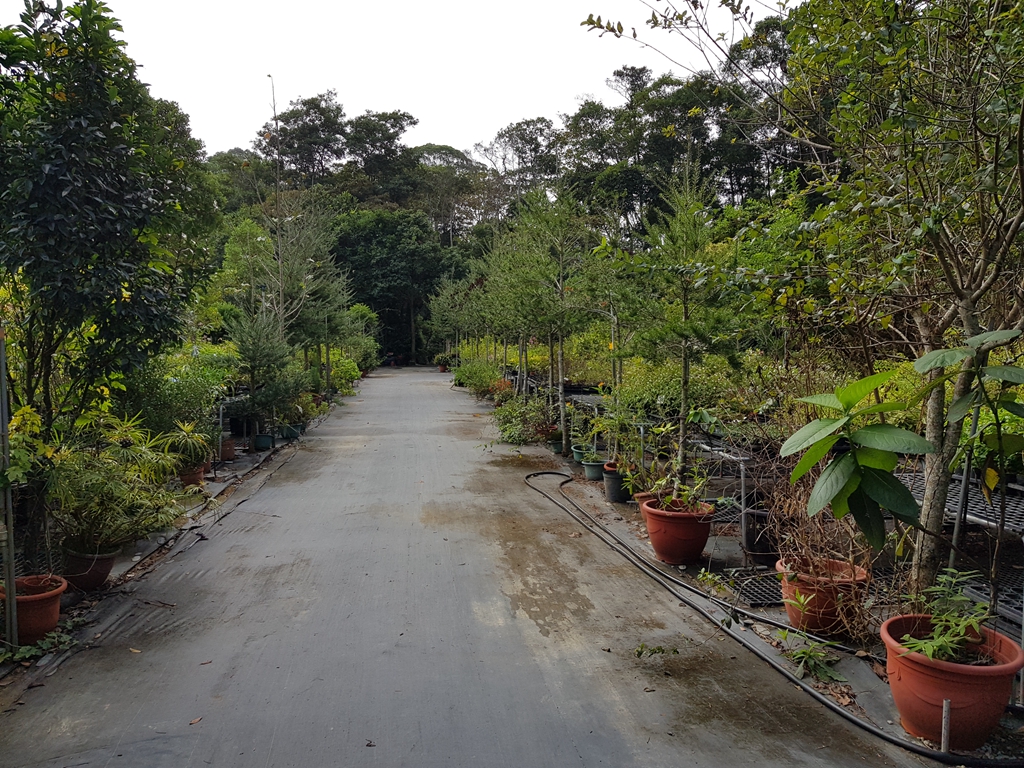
(464, 69)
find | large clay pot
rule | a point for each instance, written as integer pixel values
(823, 596)
(227, 450)
(88, 572)
(678, 533)
(192, 476)
(38, 606)
(977, 694)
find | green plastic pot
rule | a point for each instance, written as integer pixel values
(593, 470)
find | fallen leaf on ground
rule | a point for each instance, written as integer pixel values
(650, 690)
(370, 744)
(193, 722)
(204, 663)
(576, 535)
(36, 685)
(135, 650)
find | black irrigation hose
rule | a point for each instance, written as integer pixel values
(665, 581)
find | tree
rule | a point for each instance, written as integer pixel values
(394, 261)
(103, 204)
(310, 137)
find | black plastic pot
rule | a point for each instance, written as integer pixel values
(613, 489)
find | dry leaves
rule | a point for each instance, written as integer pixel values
(193, 722)
(135, 650)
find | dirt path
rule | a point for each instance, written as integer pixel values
(396, 596)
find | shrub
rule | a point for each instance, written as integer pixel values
(478, 376)
(522, 419)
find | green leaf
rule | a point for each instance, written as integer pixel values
(869, 518)
(886, 437)
(985, 338)
(809, 434)
(1010, 373)
(960, 407)
(941, 358)
(1011, 443)
(831, 482)
(840, 505)
(891, 494)
(858, 390)
(827, 400)
(814, 454)
(880, 408)
(872, 457)
(1017, 409)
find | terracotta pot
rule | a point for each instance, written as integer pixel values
(38, 606)
(442, 369)
(88, 572)
(192, 476)
(824, 595)
(227, 450)
(678, 533)
(640, 498)
(977, 694)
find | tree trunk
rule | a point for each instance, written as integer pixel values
(412, 331)
(561, 395)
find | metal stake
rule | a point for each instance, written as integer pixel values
(10, 597)
(945, 725)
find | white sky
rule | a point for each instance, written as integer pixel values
(464, 69)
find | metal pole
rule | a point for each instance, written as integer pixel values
(945, 725)
(961, 509)
(10, 597)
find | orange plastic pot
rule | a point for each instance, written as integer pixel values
(824, 597)
(678, 533)
(978, 694)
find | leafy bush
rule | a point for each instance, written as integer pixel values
(364, 351)
(478, 376)
(522, 419)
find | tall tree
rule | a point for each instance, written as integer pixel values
(310, 137)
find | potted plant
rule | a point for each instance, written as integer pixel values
(106, 490)
(38, 605)
(678, 519)
(192, 449)
(818, 591)
(593, 465)
(947, 653)
(443, 361)
(614, 483)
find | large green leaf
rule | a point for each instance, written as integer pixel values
(828, 400)
(831, 482)
(991, 336)
(880, 408)
(869, 517)
(858, 390)
(941, 358)
(886, 437)
(872, 457)
(1017, 409)
(1011, 443)
(840, 505)
(960, 407)
(1010, 373)
(891, 494)
(814, 454)
(811, 433)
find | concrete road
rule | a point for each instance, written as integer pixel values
(395, 595)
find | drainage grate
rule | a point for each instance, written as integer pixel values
(758, 589)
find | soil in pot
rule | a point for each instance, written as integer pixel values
(678, 534)
(38, 605)
(823, 599)
(978, 694)
(88, 572)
